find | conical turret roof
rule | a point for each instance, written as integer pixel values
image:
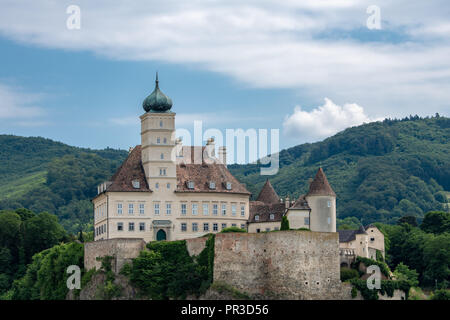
(268, 194)
(320, 186)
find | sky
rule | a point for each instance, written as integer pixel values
(307, 68)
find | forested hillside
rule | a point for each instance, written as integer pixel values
(379, 171)
(44, 175)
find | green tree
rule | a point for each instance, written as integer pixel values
(402, 272)
(284, 223)
(409, 220)
(436, 222)
(41, 232)
(437, 256)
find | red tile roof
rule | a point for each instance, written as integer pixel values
(320, 186)
(131, 169)
(264, 210)
(300, 203)
(201, 174)
(268, 194)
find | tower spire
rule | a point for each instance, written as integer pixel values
(157, 81)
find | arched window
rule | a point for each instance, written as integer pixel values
(157, 185)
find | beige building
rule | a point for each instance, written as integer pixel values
(164, 191)
(315, 211)
(363, 242)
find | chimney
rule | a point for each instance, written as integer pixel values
(210, 147)
(179, 147)
(286, 202)
(223, 155)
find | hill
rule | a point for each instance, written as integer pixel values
(44, 175)
(379, 171)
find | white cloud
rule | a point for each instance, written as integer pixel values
(323, 121)
(15, 104)
(264, 43)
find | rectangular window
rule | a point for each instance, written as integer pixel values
(130, 208)
(194, 227)
(141, 208)
(168, 208)
(215, 227)
(194, 209)
(242, 226)
(224, 225)
(206, 227)
(276, 228)
(156, 208)
(119, 208)
(267, 229)
(183, 209)
(205, 209)
(233, 210)
(215, 209)
(242, 210)
(233, 224)
(141, 226)
(120, 226)
(224, 209)
(131, 226)
(183, 227)
(307, 221)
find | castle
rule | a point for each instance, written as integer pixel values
(167, 191)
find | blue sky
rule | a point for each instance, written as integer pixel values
(307, 68)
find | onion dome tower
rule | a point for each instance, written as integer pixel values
(158, 141)
(157, 101)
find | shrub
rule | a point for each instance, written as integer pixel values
(166, 271)
(284, 223)
(347, 274)
(441, 294)
(232, 229)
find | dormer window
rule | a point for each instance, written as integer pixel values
(136, 184)
(228, 185)
(212, 185)
(272, 216)
(257, 217)
(190, 184)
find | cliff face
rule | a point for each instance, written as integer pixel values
(95, 289)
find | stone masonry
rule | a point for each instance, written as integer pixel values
(122, 249)
(285, 264)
